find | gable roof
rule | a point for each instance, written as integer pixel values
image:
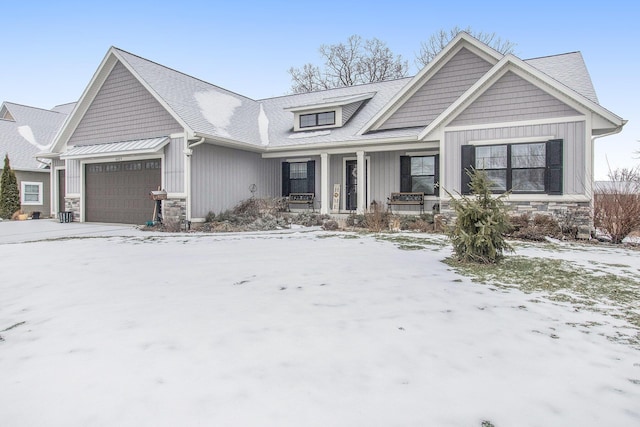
(28, 131)
(569, 69)
(225, 117)
(529, 73)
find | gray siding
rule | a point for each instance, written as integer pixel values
(42, 177)
(123, 110)
(384, 179)
(511, 99)
(451, 81)
(221, 178)
(174, 166)
(573, 134)
(57, 163)
(73, 176)
(348, 111)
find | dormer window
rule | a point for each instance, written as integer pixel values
(325, 118)
(328, 113)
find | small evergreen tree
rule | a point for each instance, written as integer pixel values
(482, 220)
(9, 193)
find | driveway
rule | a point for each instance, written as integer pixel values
(44, 229)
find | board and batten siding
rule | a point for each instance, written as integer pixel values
(57, 163)
(174, 166)
(123, 110)
(512, 98)
(73, 175)
(220, 178)
(440, 91)
(383, 180)
(574, 150)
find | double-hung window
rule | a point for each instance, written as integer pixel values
(526, 168)
(419, 174)
(31, 193)
(298, 177)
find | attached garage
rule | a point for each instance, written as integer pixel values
(118, 192)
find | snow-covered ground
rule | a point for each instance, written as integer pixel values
(111, 326)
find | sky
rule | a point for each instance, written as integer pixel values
(51, 50)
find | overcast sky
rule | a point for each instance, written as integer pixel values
(51, 49)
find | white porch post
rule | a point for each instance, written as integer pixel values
(361, 183)
(324, 183)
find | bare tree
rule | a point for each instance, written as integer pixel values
(348, 64)
(438, 40)
(617, 204)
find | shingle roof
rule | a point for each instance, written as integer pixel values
(204, 107)
(31, 131)
(569, 69)
(210, 110)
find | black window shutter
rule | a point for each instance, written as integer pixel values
(468, 163)
(405, 174)
(286, 188)
(554, 166)
(311, 176)
(436, 174)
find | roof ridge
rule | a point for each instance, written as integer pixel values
(334, 88)
(182, 73)
(36, 108)
(551, 56)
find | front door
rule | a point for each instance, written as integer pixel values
(351, 185)
(61, 190)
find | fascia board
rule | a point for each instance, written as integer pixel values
(230, 143)
(460, 41)
(526, 71)
(566, 91)
(331, 103)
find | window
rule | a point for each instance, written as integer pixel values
(31, 193)
(419, 174)
(298, 177)
(522, 168)
(326, 118)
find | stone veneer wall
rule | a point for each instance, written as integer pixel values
(577, 214)
(72, 204)
(174, 210)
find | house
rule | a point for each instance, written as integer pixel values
(25, 131)
(140, 126)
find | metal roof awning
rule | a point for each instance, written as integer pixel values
(124, 148)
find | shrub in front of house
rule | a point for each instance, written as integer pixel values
(482, 220)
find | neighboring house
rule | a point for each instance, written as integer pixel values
(25, 131)
(139, 126)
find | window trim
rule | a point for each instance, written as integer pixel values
(406, 179)
(23, 192)
(316, 117)
(552, 169)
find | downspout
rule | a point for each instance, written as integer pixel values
(188, 152)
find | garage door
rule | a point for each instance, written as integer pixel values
(118, 192)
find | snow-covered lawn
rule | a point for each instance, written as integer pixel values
(116, 327)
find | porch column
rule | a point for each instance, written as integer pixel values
(361, 183)
(324, 183)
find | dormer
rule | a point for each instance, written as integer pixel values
(328, 113)
(5, 114)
